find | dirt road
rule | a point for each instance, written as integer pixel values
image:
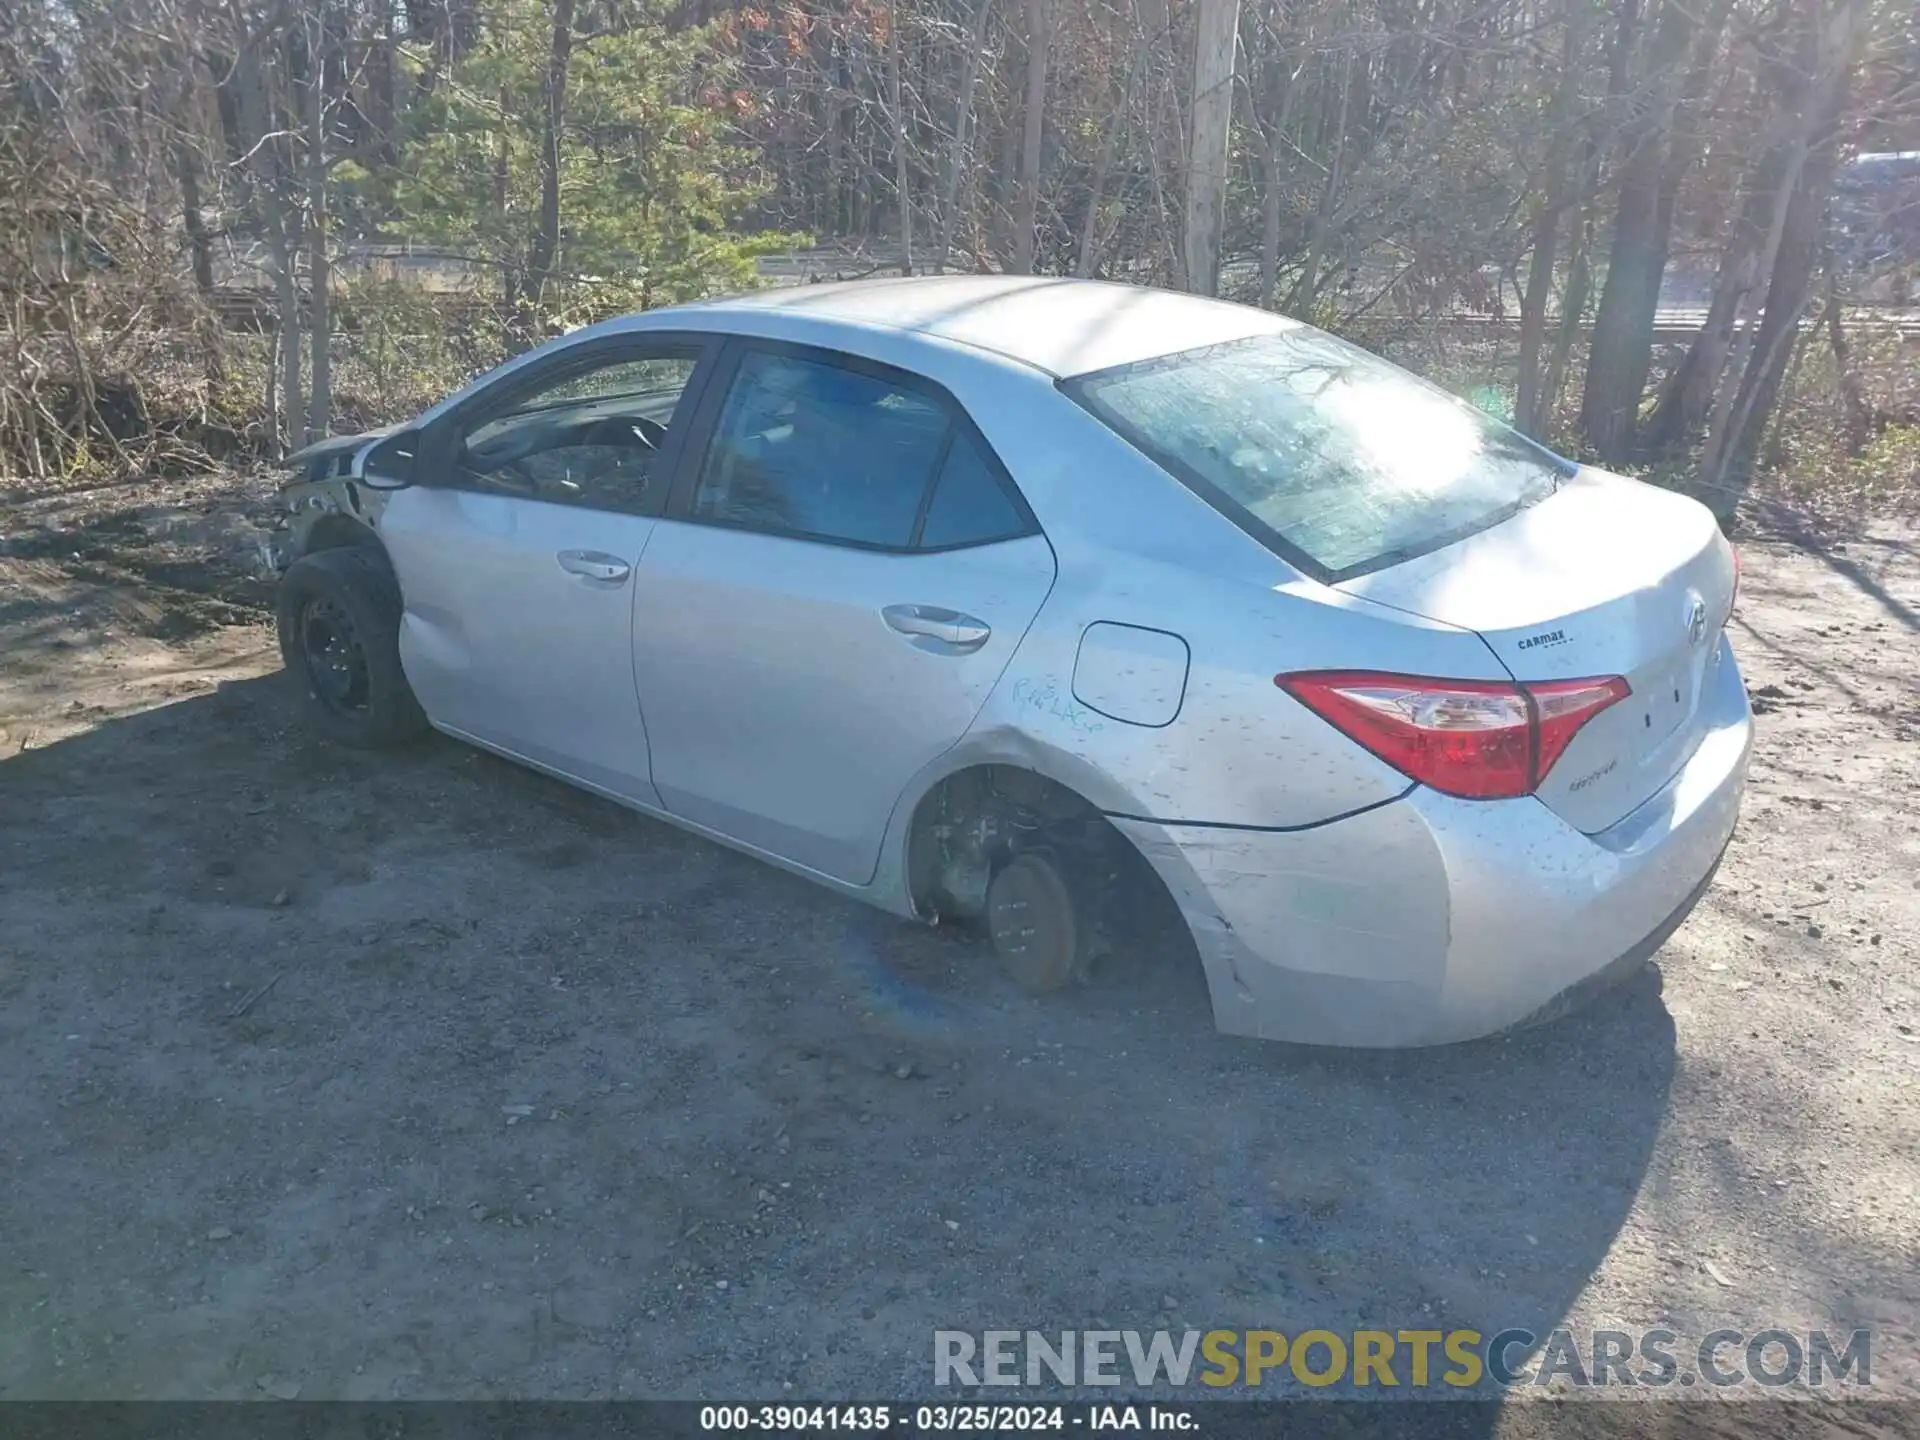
(424, 1076)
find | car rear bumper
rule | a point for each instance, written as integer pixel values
(1430, 919)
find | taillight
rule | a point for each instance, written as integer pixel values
(1477, 739)
(1734, 599)
(1561, 707)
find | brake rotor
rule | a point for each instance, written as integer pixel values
(1036, 931)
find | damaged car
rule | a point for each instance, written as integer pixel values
(963, 596)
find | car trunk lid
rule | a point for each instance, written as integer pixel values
(1605, 577)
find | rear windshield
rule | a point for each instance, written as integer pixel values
(1338, 460)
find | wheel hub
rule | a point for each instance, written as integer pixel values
(336, 660)
(1031, 917)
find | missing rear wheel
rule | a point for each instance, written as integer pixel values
(1037, 930)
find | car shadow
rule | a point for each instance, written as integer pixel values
(1476, 1185)
(363, 999)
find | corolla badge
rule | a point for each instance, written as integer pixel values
(1696, 619)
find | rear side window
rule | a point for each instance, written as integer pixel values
(1338, 460)
(970, 506)
(820, 451)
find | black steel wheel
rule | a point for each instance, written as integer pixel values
(338, 615)
(336, 660)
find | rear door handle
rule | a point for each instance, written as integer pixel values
(594, 565)
(935, 628)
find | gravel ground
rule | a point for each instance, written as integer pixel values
(423, 1076)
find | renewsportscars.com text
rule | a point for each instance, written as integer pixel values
(1401, 1359)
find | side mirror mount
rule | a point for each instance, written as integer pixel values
(392, 463)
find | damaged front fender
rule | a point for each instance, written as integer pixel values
(325, 503)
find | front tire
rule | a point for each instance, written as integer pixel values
(338, 617)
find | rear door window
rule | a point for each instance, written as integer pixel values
(1338, 460)
(806, 447)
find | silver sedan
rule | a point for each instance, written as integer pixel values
(1007, 600)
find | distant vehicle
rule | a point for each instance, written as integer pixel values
(962, 596)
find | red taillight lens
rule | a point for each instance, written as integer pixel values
(1563, 706)
(1477, 739)
(1734, 599)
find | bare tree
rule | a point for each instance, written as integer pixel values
(1795, 244)
(1532, 403)
(256, 80)
(319, 259)
(970, 62)
(1379, 165)
(1026, 218)
(1622, 344)
(903, 194)
(546, 237)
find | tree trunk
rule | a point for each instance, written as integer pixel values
(1307, 288)
(902, 194)
(546, 238)
(1686, 140)
(1166, 147)
(1731, 447)
(1529, 415)
(1697, 389)
(1621, 351)
(319, 268)
(1026, 217)
(270, 411)
(1573, 308)
(1273, 112)
(256, 113)
(383, 66)
(1270, 226)
(1212, 119)
(200, 251)
(502, 155)
(1812, 83)
(1089, 252)
(962, 122)
(286, 288)
(1004, 177)
(199, 243)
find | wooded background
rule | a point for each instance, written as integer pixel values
(230, 225)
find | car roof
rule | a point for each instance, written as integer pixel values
(1064, 327)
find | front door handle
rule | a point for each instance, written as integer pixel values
(594, 565)
(936, 628)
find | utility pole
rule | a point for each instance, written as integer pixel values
(1213, 56)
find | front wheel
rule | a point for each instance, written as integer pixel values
(338, 616)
